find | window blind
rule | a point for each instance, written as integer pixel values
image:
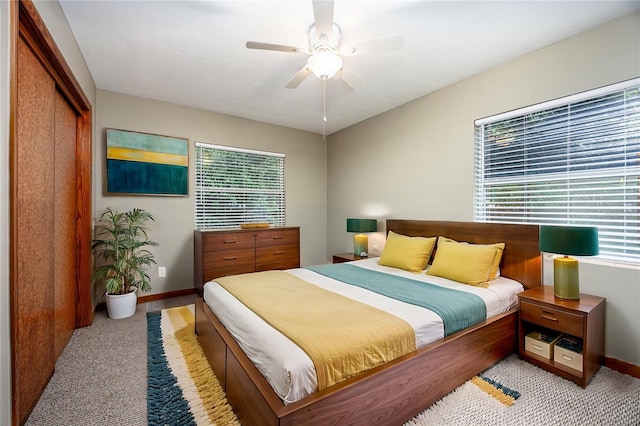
(235, 186)
(575, 162)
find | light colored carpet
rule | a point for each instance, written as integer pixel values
(101, 376)
(85, 391)
(610, 398)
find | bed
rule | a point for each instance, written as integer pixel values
(396, 391)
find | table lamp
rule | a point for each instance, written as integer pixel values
(361, 241)
(568, 240)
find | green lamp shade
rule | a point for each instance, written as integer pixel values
(361, 241)
(568, 240)
(362, 225)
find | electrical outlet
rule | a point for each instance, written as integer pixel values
(376, 248)
(162, 271)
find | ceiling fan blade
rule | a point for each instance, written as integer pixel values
(298, 78)
(374, 46)
(276, 47)
(323, 14)
(352, 78)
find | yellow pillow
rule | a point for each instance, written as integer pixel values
(496, 262)
(409, 253)
(466, 263)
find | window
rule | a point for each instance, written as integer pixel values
(235, 186)
(572, 161)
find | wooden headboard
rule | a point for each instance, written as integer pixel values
(521, 259)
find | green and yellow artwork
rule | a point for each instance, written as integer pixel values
(146, 164)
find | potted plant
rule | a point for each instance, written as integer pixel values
(120, 242)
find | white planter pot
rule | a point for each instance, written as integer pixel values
(121, 305)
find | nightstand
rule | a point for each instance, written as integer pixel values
(582, 318)
(346, 257)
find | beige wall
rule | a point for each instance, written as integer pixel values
(305, 177)
(416, 161)
(51, 13)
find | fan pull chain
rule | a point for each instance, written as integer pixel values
(324, 108)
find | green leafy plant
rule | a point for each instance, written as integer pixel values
(120, 241)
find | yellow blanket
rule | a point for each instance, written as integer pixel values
(342, 337)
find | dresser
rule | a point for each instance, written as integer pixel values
(219, 253)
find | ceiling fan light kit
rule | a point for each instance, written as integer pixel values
(324, 64)
(325, 50)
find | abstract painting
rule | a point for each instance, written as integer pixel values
(146, 164)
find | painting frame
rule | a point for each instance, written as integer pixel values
(139, 163)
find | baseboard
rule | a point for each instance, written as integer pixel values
(169, 295)
(160, 296)
(622, 367)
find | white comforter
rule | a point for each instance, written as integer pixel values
(288, 368)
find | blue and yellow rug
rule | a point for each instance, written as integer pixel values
(472, 403)
(181, 387)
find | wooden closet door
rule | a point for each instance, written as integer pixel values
(50, 229)
(64, 218)
(34, 239)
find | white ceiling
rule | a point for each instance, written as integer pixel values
(193, 52)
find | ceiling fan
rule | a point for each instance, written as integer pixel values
(325, 49)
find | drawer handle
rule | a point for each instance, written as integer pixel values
(230, 258)
(278, 252)
(537, 347)
(278, 238)
(549, 318)
(229, 241)
(566, 357)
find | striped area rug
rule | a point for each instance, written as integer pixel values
(181, 387)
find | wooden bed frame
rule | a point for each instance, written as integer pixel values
(395, 392)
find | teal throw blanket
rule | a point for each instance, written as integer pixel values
(458, 309)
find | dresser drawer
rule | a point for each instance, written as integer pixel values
(227, 259)
(232, 241)
(554, 319)
(277, 237)
(266, 255)
(214, 273)
(278, 264)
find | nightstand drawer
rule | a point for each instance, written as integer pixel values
(552, 318)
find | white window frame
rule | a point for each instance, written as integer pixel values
(240, 190)
(566, 162)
